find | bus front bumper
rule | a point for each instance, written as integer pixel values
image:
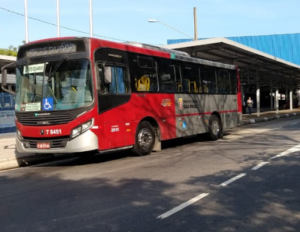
(87, 141)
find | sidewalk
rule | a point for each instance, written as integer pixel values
(9, 158)
(268, 115)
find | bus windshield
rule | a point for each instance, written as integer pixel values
(55, 85)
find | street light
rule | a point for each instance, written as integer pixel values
(91, 19)
(57, 18)
(157, 21)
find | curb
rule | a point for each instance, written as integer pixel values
(8, 164)
(252, 121)
(16, 162)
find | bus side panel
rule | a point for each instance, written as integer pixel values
(229, 111)
(160, 107)
(189, 115)
(120, 123)
(193, 112)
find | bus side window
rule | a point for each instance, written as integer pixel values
(190, 78)
(208, 78)
(143, 71)
(223, 81)
(102, 86)
(233, 81)
(116, 83)
(167, 76)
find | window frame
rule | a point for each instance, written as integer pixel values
(112, 64)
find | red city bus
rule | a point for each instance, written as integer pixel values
(86, 95)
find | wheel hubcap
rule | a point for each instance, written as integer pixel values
(145, 138)
(215, 127)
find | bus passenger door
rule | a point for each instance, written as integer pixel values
(113, 94)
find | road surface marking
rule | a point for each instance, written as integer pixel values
(259, 165)
(287, 152)
(183, 205)
(232, 179)
(294, 123)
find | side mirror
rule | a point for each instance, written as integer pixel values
(3, 77)
(107, 75)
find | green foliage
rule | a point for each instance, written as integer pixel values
(11, 51)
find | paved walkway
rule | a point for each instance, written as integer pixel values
(9, 158)
(268, 115)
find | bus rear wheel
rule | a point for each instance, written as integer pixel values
(144, 139)
(214, 128)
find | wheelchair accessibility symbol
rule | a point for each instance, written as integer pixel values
(48, 103)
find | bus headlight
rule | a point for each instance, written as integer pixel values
(76, 131)
(19, 135)
(82, 128)
(87, 125)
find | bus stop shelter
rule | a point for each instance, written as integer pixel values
(257, 69)
(4, 60)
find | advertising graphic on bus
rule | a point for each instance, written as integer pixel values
(86, 94)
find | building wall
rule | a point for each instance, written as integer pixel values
(285, 46)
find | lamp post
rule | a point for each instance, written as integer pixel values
(91, 18)
(57, 18)
(157, 21)
(26, 21)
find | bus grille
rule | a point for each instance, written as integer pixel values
(46, 120)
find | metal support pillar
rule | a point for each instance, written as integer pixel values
(286, 93)
(243, 98)
(57, 18)
(291, 97)
(248, 76)
(271, 96)
(277, 96)
(257, 93)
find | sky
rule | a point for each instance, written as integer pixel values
(120, 20)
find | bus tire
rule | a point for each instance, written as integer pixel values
(214, 128)
(144, 139)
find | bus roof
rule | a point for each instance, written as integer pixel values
(144, 48)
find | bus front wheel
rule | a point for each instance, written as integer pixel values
(144, 139)
(215, 128)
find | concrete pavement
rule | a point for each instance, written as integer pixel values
(10, 158)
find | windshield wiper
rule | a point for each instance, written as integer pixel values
(56, 67)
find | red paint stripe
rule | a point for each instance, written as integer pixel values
(195, 114)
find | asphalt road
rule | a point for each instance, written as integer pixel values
(248, 181)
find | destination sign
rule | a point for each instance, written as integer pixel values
(51, 49)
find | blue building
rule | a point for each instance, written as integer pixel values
(284, 46)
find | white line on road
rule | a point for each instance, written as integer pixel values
(182, 206)
(294, 123)
(287, 152)
(259, 165)
(233, 179)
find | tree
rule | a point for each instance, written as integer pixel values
(10, 51)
